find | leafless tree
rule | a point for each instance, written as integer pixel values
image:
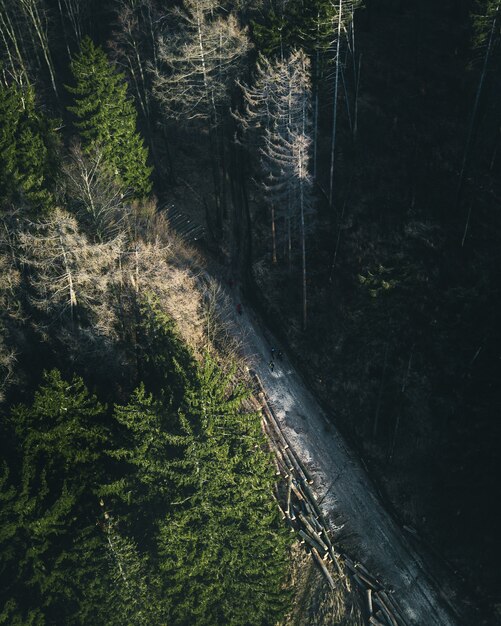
(24, 39)
(279, 102)
(73, 14)
(36, 15)
(15, 65)
(200, 51)
(69, 276)
(97, 194)
(133, 43)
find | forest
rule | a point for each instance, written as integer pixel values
(338, 163)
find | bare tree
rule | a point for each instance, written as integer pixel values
(15, 65)
(280, 103)
(36, 15)
(73, 14)
(96, 193)
(24, 38)
(201, 50)
(133, 42)
(69, 275)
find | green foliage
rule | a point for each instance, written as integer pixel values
(134, 597)
(28, 150)
(60, 441)
(186, 473)
(145, 445)
(296, 25)
(165, 359)
(224, 551)
(486, 18)
(106, 118)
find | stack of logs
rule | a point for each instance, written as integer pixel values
(300, 510)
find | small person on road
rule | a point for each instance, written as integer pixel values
(239, 308)
(272, 365)
(272, 353)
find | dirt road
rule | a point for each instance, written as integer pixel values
(346, 493)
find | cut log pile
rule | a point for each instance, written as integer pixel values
(299, 508)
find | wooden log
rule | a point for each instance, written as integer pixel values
(359, 582)
(368, 596)
(385, 609)
(365, 571)
(286, 467)
(303, 469)
(335, 560)
(369, 580)
(308, 525)
(268, 411)
(271, 449)
(289, 489)
(375, 622)
(324, 569)
(391, 604)
(296, 491)
(350, 565)
(280, 509)
(304, 535)
(312, 533)
(285, 443)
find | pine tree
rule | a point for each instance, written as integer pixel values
(105, 118)
(223, 549)
(60, 441)
(145, 425)
(9, 120)
(29, 151)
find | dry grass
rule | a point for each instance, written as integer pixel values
(314, 604)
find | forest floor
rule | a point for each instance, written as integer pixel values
(420, 586)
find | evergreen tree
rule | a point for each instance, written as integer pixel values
(9, 120)
(223, 548)
(106, 118)
(60, 439)
(28, 151)
(145, 447)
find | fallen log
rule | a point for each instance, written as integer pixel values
(385, 609)
(310, 541)
(301, 470)
(289, 489)
(296, 491)
(312, 532)
(335, 560)
(396, 612)
(324, 569)
(368, 597)
(369, 580)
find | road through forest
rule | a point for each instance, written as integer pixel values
(342, 486)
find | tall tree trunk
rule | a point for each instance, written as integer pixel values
(334, 113)
(476, 104)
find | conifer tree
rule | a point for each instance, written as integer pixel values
(60, 440)
(9, 119)
(105, 118)
(29, 150)
(223, 548)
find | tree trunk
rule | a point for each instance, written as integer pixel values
(334, 113)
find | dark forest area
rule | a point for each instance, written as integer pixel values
(339, 163)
